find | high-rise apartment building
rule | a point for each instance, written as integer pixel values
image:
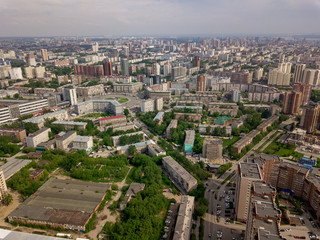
(156, 68)
(167, 70)
(310, 117)
(95, 47)
(107, 68)
(70, 94)
(196, 61)
(201, 83)
(248, 173)
(269, 165)
(3, 186)
(236, 94)
(212, 148)
(124, 67)
(258, 74)
(89, 70)
(31, 60)
(298, 73)
(308, 76)
(285, 67)
(178, 73)
(278, 78)
(292, 177)
(44, 54)
(305, 90)
(291, 103)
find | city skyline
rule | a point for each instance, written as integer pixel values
(154, 17)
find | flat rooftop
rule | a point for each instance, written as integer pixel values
(38, 132)
(13, 166)
(250, 170)
(62, 202)
(179, 170)
(14, 235)
(82, 139)
(266, 210)
(71, 123)
(263, 188)
(190, 136)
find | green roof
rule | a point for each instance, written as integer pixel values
(222, 119)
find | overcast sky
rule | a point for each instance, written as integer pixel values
(161, 17)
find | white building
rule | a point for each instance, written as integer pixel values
(83, 142)
(40, 136)
(70, 94)
(39, 72)
(147, 105)
(3, 186)
(15, 73)
(258, 74)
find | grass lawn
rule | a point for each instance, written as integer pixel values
(282, 150)
(228, 142)
(123, 100)
(97, 115)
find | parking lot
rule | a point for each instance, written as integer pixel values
(219, 222)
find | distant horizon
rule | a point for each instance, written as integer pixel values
(306, 35)
(19, 18)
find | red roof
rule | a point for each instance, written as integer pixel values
(109, 118)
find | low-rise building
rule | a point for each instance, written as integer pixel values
(64, 141)
(34, 139)
(246, 140)
(40, 120)
(159, 117)
(19, 134)
(189, 140)
(116, 139)
(82, 142)
(182, 179)
(173, 124)
(195, 117)
(155, 150)
(141, 147)
(267, 123)
(70, 125)
(133, 189)
(183, 227)
(112, 120)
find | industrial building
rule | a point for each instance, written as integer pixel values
(67, 204)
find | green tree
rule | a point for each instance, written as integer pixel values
(7, 199)
(132, 150)
(31, 127)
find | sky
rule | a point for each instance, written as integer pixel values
(158, 17)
